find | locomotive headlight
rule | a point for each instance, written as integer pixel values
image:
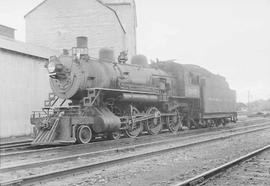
(51, 67)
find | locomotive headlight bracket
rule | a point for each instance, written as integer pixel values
(51, 67)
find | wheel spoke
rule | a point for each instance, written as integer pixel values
(154, 125)
(133, 128)
(173, 122)
(84, 134)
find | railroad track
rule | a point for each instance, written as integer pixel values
(23, 152)
(126, 141)
(15, 145)
(22, 147)
(206, 176)
(113, 150)
(113, 161)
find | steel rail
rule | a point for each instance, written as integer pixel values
(87, 167)
(174, 138)
(16, 144)
(204, 177)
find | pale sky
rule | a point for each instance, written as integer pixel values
(227, 37)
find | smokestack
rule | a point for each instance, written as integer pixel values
(82, 42)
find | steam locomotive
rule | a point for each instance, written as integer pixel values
(103, 98)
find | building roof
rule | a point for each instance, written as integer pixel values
(7, 31)
(7, 27)
(26, 48)
(100, 1)
(28, 13)
(115, 13)
(118, 2)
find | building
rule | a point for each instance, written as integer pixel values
(24, 84)
(7, 31)
(107, 23)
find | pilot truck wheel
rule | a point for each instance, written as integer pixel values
(84, 134)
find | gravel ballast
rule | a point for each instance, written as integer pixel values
(172, 167)
(255, 171)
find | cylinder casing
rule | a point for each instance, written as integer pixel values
(106, 121)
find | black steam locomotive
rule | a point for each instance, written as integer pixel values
(101, 97)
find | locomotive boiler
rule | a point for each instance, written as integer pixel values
(104, 98)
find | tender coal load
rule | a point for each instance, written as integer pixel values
(214, 79)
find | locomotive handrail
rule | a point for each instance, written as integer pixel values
(70, 110)
(161, 75)
(124, 90)
(116, 63)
